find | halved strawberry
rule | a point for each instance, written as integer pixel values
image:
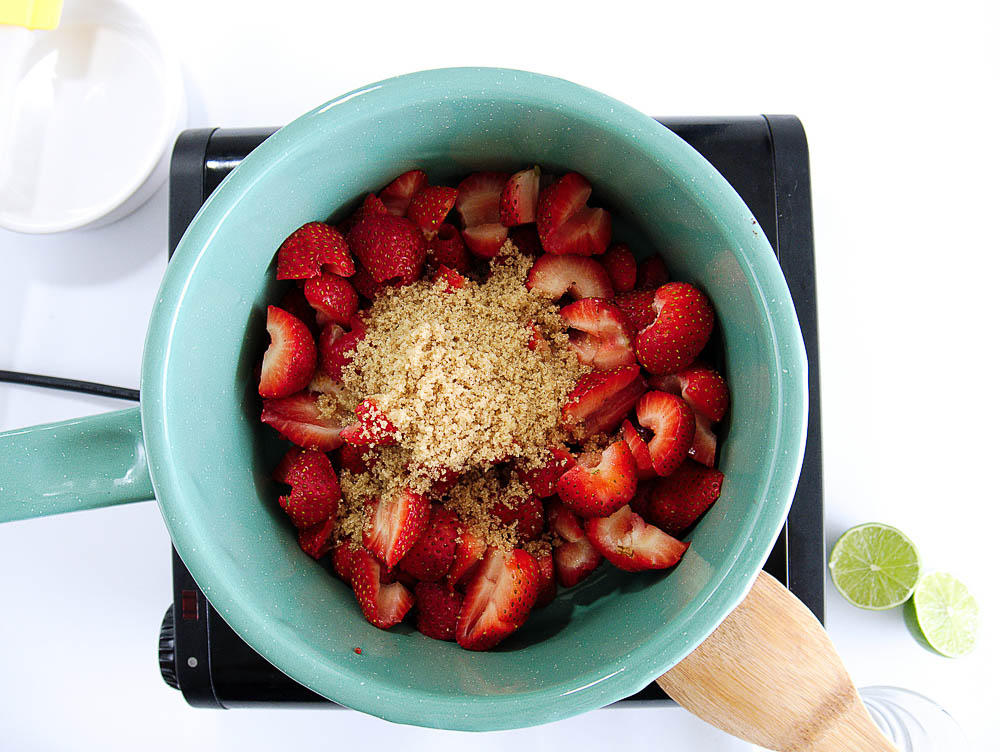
(485, 240)
(448, 249)
(343, 560)
(391, 248)
(684, 322)
(431, 556)
(437, 608)
(640, 452)
(298, 419)
(576, 557)
(333, 297)
(452, 279)
(478, 201)
(519, 197)
(628, 542)
(560, 201)
(394, 524)
(651, 273)
(294, 301)
(318, 539)
(600, 334)
(566, 224)
(675, 502)
(315, 494)
(430, 206)
(672, 422)
(542, 480)
(284, 465)
(527, 513)
(371, 205)
(352, 459)
(621, 267)
(400, 192)
(365, 284)
(336, 347)
(469, 551)
(312, 247)
(372, 429)
(290, 359)
(705, 390)
(525, 237)
(637, 306)
(602, 399)
(704, 443)
(546, 580)
(384, 604)
(554, 276)
(499, 598)
(600, 483)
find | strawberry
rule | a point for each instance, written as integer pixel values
(599, 484)
(384, 604)
(468, 551)
(298, 419)
(315, 492)
(547, 580)
(637, 306)
(352, 459)
(705, 390)
(676, 501)
(437, 608)
(640, 502)
(576, 558)
(519, 197)
(478, 201)
(452, 279)
(400, 192)
(313, 246)
(372, 429)
(294, 302)
(527, 513)
(683, 325)
(429, 207)
(334, 299)
(601, 400)
(554, 276)
(704, 443)
(391, 248)
(485, 240)
(447, 249)
(525, 237)
(640, 452)
(628, 542)
(318, 539)
(672, 422)
(620, 264)
(498, 599)
(561, 200)
(566, 224)
(537, 341)
(284, 465)
(290, 359)
(336, 347)
(394, 524)
(365, 284)
(651, 273)
(600, 333)
(542, 480)
(371, 205)
(431, 556)
(343, 560)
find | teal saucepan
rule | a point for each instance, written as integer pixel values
(197, 443)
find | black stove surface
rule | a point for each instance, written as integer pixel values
(765, 158)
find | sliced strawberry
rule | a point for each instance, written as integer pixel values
(343, 560)
(431, 556)
(448, 249)
(519, 198)
(542, 480)
(352, 459)
(525, 237)
(384, 604)
(478, 201)
(315, 494)
(452, 279)
(437, 610)
(391, 248)
(637, 306)
(313, 246)
(537, 341)
(527, 513)
(323, 383)
(400, 192)
(498, 599)
(672, 422)
(599, 484)
(547, 580)
(469, 551)
(651, 273)
(290, 359)
(372, 429)
(675, 502)
(336, 347)
(294, 301)
(554, 276)
(365, 284)
(601, 334)
(586, 233)
(560, 201)
(621, 267)
(284, 465)
(628, 542)
(640, 502)
(394, 524)
(704, 443)
(485, 240)
(371, 205)
(333, 297)
(576, 557)
(298, 419)
(640, 452)
(684, 322)
(705, 390)
(602, 399)
(430, 206)
(318, 539)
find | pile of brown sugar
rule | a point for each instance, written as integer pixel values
(454, 373)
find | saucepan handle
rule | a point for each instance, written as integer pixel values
(83, 463)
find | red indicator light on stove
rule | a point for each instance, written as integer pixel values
(189, 605)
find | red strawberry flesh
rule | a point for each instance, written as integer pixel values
(394, 523)
(629, 543)
(553, 276)
(299, 420)
(684, 322)
(601, 335)
(675, 502)
(396, 196)
(313, 247)
(290, 359)
(519, 198)
(602, 399)
(598, 486)
(672, 421)
(499, 598)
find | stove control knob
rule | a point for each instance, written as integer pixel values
(168, 666)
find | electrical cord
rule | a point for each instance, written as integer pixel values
(70, 385)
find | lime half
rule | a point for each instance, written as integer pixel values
(875, 566)
(943, 615)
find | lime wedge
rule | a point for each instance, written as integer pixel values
(875, 566)
(943, 615)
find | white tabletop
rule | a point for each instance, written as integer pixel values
(900, 109)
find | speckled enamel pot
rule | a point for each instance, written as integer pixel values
(209, 457)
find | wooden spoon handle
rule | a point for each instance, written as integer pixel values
(770, 675)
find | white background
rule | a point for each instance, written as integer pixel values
(899, 103)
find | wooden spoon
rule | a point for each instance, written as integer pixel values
(770, 675)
